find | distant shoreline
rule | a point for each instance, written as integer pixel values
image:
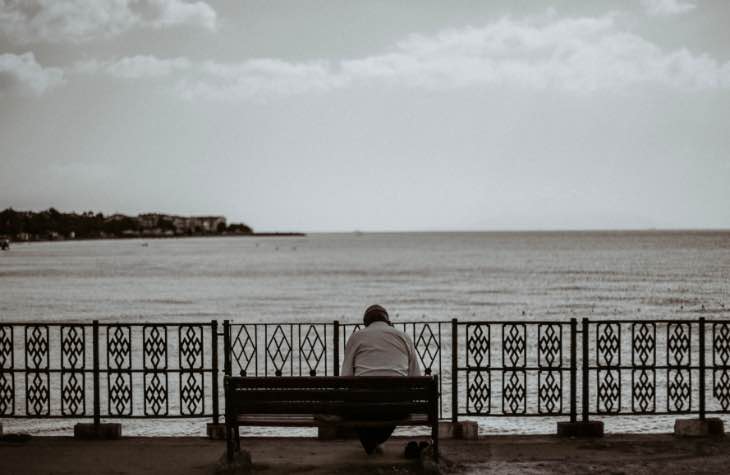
(155, 238)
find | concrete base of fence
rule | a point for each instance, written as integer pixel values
(241, 464)
(580, 429)
(466, 430)
(1, 429)
(698, 427)
(215, 431)
(106, 431)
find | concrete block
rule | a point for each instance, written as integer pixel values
(469, 430)
(19, 438)
(466, 430)
(241, 464)
(106, 431)
(580, 429)
(215, 431)
(711, 426)
(447, 429)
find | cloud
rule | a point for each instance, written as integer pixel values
(21, 74)
(75, 21)
(667, 7)
(574, 55)
(135, 67)
(259, 78)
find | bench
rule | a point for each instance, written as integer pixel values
(317, 401)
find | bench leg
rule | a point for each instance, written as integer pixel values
(229, 443)
(435, 439)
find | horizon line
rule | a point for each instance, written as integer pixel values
(505, 230)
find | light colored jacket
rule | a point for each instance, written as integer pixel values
(380, 350)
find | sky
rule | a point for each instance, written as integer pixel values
(316, 115)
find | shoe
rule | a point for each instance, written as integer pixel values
(412, 450)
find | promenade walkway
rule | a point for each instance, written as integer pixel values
(614, 454)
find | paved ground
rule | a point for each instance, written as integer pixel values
(615, 454)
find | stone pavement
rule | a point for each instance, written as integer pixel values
(614, 454)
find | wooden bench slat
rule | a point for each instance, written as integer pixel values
(277, 420)
(327, 407)
(359, 395)
(334, 382)
(270, 420)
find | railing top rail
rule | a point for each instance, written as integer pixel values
(398, 322)
(329, 322)
(648, 320)
(273, 324)
(104, 323)
(514, 322)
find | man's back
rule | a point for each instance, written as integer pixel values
(380, 350)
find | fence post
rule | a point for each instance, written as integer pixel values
(336, 349)
(585, 365)
(702, 368)
(454, 370)
(97, 402)
(227, 347)
(214, 369)
(573, 368)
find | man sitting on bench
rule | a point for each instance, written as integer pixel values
(379, 349)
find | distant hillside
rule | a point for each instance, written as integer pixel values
(52, 224)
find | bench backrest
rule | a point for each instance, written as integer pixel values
(332, 395)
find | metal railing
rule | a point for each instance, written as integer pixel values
(111, 371)
(671, 362)
(511, 368)
(486, 368)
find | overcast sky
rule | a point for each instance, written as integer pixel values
(371, 115)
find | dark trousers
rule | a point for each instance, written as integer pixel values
(372, 437)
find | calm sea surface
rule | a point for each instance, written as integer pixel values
(324, 277)
(335, 276)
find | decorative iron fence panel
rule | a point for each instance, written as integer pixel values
(512, 368)
(643, 367)
(278, 349)
(113, 371)
(658, 367)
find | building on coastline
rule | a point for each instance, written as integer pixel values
(155, 224)
(208, 224)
